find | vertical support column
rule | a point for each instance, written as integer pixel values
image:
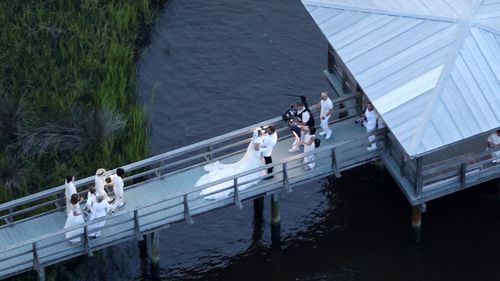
(419, 178)
(153, 247)
(40, 270)
(258, 207)
(416, 222)
(275, 220)
(210, 149)
(258, 219)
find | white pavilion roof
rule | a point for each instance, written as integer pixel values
(430, 67)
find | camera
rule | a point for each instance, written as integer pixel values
(360, 120)
(289, 114)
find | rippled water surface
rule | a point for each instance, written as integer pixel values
(215, 66)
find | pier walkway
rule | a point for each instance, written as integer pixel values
(161, 190)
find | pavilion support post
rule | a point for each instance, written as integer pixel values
(153, 247)
(275, 219)
(416, 222)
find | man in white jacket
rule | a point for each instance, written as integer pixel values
(118, 189)
(270, 140)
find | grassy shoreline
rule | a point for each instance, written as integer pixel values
(68, 100)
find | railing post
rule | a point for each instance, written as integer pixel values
(402, 166)
(237, 200)
(36, 261)
(387, 141)
(137, 228)
(10, 219)
(335, 166)
(209, 149)
(463, 170)
(419, 178)
(187, 215)
(86, 241)
(286, 183)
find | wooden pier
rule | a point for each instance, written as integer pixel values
(161, 190)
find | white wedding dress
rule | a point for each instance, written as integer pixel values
(216, 171)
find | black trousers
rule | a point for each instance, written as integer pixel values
(269, 160)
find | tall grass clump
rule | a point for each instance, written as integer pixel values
(68, 100)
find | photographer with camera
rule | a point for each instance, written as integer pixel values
(303, 117)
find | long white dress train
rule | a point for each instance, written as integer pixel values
(216, 171)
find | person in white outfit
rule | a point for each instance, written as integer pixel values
(100, 183)
(75, 217)
(268, 143)
(494, 143)
(118, 189)
(326, 112)
(99, 210)
(69, 189)
(370, 123)
(309, 146)
(91, 194)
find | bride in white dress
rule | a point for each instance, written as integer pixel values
(216, 171)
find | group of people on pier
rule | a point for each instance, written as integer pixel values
(99, 202)
(107, 194)
(302, 126)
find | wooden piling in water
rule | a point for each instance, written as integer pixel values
(416, 224)
(258, 207)
(153, 247)
(275, 219)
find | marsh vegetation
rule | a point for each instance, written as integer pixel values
(68, 90)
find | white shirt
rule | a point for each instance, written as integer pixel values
(371, 119)
(118, 186)
(90, 200)
(326, 105)
(305, 115)
(494, 139)
(268, 144)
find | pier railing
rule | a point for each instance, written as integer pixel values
(460, 172)
(432, 180)
(173, 161)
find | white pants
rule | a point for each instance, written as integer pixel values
(118, 202)
(324, 125)
(371, 138)
(496, 156)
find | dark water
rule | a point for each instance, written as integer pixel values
(216, 66)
